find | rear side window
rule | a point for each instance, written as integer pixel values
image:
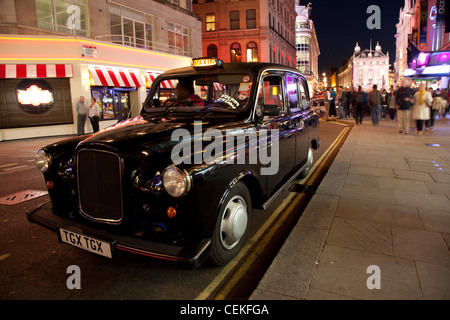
(304, 95)
(271, 91)
(292, 93)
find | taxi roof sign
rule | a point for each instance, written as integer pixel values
(206, 62)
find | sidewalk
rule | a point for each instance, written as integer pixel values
(385, 201)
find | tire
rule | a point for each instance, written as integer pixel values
(309, 163)
(230, 232)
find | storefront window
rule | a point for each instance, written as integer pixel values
(114, 102)
(64, 16)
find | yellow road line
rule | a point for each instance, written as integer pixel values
(255, 239)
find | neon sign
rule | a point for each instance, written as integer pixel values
(34, 96)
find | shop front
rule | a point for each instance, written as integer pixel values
(431, 69)
(50, 73)
(34, 95)
(114, 89)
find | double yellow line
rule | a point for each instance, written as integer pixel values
(262, 238)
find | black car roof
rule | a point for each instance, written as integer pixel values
(230, 67)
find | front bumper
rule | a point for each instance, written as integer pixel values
(188, 257)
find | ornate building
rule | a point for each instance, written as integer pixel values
(370, 67)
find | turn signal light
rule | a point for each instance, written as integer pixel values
(50, 185)
(171, 212)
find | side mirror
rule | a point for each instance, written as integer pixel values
(271, 110)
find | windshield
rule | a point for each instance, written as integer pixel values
(223, 92)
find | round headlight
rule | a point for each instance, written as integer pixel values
(42, 160)
(176, 182)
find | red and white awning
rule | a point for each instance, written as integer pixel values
(115, 77)
(166, 84)
(171, 84)
(10, 71)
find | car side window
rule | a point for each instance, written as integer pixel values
(271, 92)
(292, 90)
(304, 95)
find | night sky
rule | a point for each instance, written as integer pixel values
(341, 23)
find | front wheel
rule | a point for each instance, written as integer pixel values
(231, 228)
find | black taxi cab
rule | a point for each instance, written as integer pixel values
(179, 181)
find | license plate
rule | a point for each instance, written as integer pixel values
(87, 243)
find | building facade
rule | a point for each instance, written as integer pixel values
(424, 26)
(370, 67)
(307, 46)
(54, 51)
(248, 31)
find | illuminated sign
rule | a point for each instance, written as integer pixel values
(207, 62)
(34, 96)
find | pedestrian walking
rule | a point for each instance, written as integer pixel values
(375, 99)
(422, 100)
(80, 109)
(384, 103)
(404, 103)
(94, 114)
(359, 101)
(391, 104)
(332, 109)
(327, 98)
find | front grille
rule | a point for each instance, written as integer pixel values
(100, 185)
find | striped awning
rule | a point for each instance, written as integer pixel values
(11, 71)
(166, 84)
(115, 77)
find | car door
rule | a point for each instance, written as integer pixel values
(272, 93)
(295, 94)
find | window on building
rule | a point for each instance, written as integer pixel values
(189, 5)
(250, 16)
(210, 21)
(211, 51)
(63, 16)
(252, 52)
(179, 38)
(235, 52)
(234, 20)
(131, 27)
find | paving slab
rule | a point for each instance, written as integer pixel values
(421, 245)
(374, 211)
(343, 271)
(435, 220)
(422, 200)
(361, 234)
(434, 280)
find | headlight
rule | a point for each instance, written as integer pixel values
(176, 181)
(42, 160)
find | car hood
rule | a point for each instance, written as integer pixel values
(149, 130)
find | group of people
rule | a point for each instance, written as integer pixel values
(421, 105)
(92, 111)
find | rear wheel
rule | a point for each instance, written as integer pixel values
(231, 228)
